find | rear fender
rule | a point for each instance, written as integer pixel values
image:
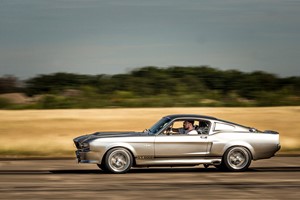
(242, 144)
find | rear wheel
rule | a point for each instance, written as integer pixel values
(237, 159)
(118, 160)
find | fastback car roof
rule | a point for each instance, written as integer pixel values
(189, 115)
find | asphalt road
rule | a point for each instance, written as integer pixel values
(275, 178)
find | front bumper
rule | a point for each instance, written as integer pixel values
(86, 156)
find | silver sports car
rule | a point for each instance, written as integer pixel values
(179, 140)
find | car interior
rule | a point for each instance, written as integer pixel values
(176, 128)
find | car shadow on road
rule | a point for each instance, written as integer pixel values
(139, 170)
(275, 169)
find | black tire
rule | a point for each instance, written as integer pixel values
(118, 160)
(220, 167)
(102, 167)
(236, 159)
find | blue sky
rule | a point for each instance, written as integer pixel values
(116, 36)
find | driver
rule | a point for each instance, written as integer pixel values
(188, 128)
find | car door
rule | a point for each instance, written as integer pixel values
(180, 145)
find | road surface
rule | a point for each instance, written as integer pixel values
(275, 178)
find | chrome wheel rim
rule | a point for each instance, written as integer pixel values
(119, 160)
(237, 158)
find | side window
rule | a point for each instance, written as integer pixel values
(177, 124)
(181, 127)
(174, 129)
(203, 127)
(223, 127)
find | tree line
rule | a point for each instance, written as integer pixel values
(157, 87)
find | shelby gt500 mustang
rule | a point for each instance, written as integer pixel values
(179, 140)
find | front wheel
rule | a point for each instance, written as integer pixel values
(118, 160)
(102, 166)
(237, 159)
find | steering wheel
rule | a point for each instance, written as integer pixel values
(169, 130)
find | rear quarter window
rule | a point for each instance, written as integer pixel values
(223, 127)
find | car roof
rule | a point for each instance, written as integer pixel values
(189, 116)
(201, 116)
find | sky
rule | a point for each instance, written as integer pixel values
(117, 36)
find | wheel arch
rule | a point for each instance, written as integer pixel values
(129, 148)
(240, 144)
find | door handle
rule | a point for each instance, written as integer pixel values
(203, 136)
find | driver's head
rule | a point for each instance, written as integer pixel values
(187, 124)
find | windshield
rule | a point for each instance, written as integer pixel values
(159, 125)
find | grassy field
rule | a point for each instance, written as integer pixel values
(50, 132)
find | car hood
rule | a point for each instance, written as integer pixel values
(89, 137)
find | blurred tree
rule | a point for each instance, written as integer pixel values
(256, 82)
(9, 84)
(154, 86)
(54, 83)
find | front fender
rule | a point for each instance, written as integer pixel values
(121, 144)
